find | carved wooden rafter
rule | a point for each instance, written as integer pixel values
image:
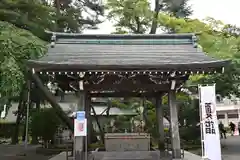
(73, 77)
(159, 79)
(166, 79)
(124, 77)
(74, 86)
(125, 82)
(95, 79)
(120, 82)
(128, 88)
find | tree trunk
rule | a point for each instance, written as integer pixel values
(50, 98)
(155, 16)
(58, 13)
(19, 117)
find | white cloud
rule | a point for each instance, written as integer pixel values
(224, 10)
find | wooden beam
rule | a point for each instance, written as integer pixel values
(128, 87)
(51, 99)
(124, 94)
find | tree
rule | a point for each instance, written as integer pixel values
(179, 8)
(36, 17)
(70, 18)
(53, 15)
(28, 14)
(17, 46)
(44, 124)
(131, 16)
(136, 16)
(214, 41)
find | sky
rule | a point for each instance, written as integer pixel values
(227, 11)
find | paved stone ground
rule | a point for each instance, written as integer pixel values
(231, 150)
(16, 152)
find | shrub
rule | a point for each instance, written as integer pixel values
(44, 124)
(190, 135)
(6, 130)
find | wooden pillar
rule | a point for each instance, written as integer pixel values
(160, 126)
(175, 138)
(88, 116)
(79, 141)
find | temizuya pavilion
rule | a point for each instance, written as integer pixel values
(124, 66)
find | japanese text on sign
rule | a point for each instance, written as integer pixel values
(208, 110)
(209, 127)
(209, 124)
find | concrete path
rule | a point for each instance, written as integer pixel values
(231, 150)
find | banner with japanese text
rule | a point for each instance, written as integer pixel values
(209, 123)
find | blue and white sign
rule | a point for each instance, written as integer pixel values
(80, 115)
(80, 124)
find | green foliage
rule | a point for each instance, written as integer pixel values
(37, 16)
(136, 16)
(17, 46)
(6, 129)
(178, 8)
(132, 16)
(188, 116)
(122, 123)
(117, 103)
(44, 124)
(216, 39)
(190, 135)
(151, 125)
(215, 42)
(28, 14)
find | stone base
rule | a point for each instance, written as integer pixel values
(127, 155)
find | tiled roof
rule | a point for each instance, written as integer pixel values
(125, 52)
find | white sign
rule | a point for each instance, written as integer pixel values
(210, 136)
(80, 127)
(4, 112)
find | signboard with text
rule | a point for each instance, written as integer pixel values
(209, 123)
(80, 124)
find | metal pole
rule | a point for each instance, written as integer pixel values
(201, 120)
(27, 115)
